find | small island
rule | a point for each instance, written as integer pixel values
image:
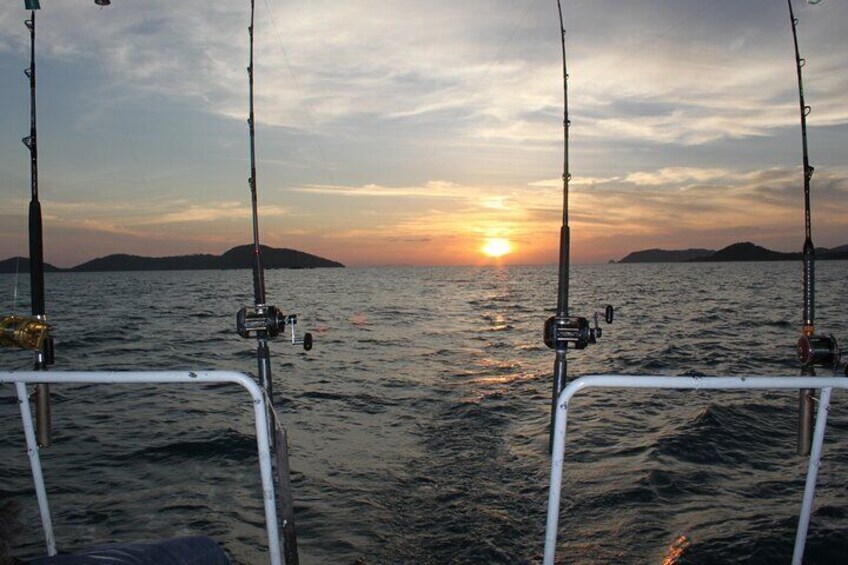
(240, 257)
(742, 251)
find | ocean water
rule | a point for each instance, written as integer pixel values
(418, 423)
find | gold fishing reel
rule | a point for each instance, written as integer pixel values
(26, 333)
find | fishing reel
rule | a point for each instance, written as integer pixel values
(818, 351)
(268, 320)
(560, 331)
(27, 333)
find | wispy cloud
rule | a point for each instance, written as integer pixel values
(431, 189)
(156, 221)
(678, 175)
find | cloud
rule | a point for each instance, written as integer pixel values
(133, 218)
(431, 189)
(677, 175)
(444, 118)
(222, 211)
(482, 71)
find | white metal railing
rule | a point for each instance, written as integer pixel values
(826, 384)
(22, 378)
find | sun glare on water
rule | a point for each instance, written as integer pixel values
(496, 247)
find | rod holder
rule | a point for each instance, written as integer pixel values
(813, 351)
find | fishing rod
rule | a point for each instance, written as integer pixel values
(44, 354)
(813, 350)
(265, 322)
(562, 329)
(34, 332)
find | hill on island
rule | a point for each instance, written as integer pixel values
(666, 256)
(124, 262)
(240, 257)
(747, 251)
(742, 251)
(21, 265)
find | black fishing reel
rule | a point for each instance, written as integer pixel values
(818, 351)
(268, 320)
(560, 331)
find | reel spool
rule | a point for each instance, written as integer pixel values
(818, 351)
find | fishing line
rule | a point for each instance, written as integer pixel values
(15, 295)
(530, 4)
(304, 106)
(140, 173)
(651, 39)
(487, 71)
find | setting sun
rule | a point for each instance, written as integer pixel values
(496, 247)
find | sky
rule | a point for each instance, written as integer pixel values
(410, 133)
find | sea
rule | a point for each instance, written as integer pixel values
(418, 424)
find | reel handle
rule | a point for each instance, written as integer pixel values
(305, 341)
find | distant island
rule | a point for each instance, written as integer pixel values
(742, 251)
(240, 257)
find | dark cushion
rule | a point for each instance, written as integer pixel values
(195, 550)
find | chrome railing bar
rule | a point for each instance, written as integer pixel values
(35, 464)
(812, 476)
(691, 383)
(160, 377)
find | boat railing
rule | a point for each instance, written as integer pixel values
(826, 384)
(23, 378)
